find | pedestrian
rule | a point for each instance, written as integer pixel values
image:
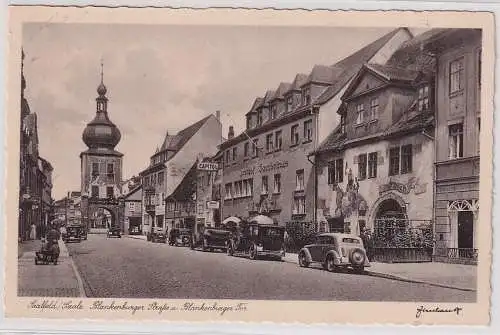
(33, 232)
(367, 243)
(62, 231)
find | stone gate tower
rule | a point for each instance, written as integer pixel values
(101, 168)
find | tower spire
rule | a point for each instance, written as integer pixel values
(102, 71)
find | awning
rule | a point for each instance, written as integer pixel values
(231, 219)
(262, 219)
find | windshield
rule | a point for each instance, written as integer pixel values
(350, 240)
(272, 232)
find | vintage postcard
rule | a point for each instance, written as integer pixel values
(233, 164)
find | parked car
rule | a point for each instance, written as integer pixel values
(257, 240)
(180, 237)
(114, 231)
(158, 235)
(334, 251)
(84, 233)
(208, 238)
(73, 233)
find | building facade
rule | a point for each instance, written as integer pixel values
(375, 171)
(133, 211)
(458, 119)
(208, 186)
(168, 168)
(101, 168)
(266, 168)
(35, 175)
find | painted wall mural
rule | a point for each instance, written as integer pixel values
(350, 201)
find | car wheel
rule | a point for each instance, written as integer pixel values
(253, 252)
(55, 261)
(303, 260)
(330, 264)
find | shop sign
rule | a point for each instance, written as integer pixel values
(212, 204)
(204, 166)
(263, 168)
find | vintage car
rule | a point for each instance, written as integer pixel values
(208, 238)
(84, 233)
(158, 235)
(257, 240)
(334, 251)
(180, 237)
(114, 231)
(73, 233)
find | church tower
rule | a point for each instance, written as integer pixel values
(101, 166)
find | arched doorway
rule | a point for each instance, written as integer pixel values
(390, 222)
(102, 218)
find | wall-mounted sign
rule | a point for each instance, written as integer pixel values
(212, 204)
(208, 166)
(263, 168)
(412, 184)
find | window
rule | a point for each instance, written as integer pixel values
(335, 171)
(360, 112)
(131, 206)
(277, 183)
(95, 192)
(227, 156)
(299, 206)
(161, 177)
(238, 189)
(406, 159)
(269, 143)
(294, 135)
(342, 123)
(306, 96)
(372, 165)
(259, 117)
(374, 109)
(308, 130)
(95, 169)
(147, 181)
(273, 112)
(423, 98)
(278, 140)
(247, 187)
(362, 164)
(109, 192)
(289, 103)
(394, 161)
(456, 138)
(456, 75)
(245, 149)
(235, 153)
(153, 179)
(299, 180)
(265, 185)
(255, 147)
(229, 191)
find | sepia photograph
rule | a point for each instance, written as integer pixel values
(249, 162)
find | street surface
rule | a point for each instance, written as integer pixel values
(132, 268)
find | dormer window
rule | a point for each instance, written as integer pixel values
(260, 118)
(306, 96)
(289, 103)
(273, 112)
(373, 109)
(249, 121)
(423, 98)
(360, 112)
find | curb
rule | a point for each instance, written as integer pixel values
(79, 280)
(403, 279)
(408, 280)
(136, 237)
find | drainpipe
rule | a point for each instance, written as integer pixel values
(315, 113)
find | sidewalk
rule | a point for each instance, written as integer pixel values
(457, 276)
(137, 237)
(61, 280)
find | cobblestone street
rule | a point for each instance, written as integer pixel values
(134, 268)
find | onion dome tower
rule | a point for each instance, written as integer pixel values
(101, 133)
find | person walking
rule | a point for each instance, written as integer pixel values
(33, 232)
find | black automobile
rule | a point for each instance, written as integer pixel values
(73, 233)
(257, 240)
(208, 238)
(180, 237)
(114, 232)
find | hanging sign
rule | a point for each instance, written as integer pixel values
(204, 166)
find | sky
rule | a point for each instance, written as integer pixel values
(161, 78)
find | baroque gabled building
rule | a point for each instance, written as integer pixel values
(266, 168)
(168, 168)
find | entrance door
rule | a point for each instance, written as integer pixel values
(465, 230)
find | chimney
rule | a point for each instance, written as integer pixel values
(230, 134)
(217, 115)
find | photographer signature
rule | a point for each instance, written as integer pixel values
(422, 309)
